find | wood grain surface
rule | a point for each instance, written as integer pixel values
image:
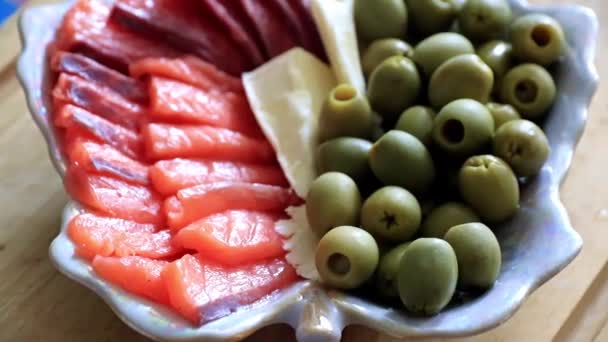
(39, 304)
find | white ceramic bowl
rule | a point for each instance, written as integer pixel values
(536, 244)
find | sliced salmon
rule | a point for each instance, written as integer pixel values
(139, 275)
(270, 26)
(233, 237)
(235, 22)
(164, 141)
(172, 101)
(194, 203)
(102, 76)
(182, 24)
(188, 69)
(85, 29)
(114, 197)
(105, 160)
(80, 123)
(203, 291)
(169, 176)
(103, 102)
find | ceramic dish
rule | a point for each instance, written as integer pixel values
(536, 244)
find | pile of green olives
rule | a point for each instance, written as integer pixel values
(415, 172)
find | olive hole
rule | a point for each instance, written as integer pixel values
(526, 91)
(480, 18)
(541, 35)
(338, 263)
(453, 131)
(345, 93)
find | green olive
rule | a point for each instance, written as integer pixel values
(418, 121)
(463, 128)
(502, 113)
(388, 268)
(538, 38)
(446, 216)
(482, 20)
(393, 86)
(498, 55)
(376, 19)
(432, 16)
(438, 48)
(391, 214)
(382, 49)
(523, 145)
(490, 187)
(464, 76)
(478, 254)
(530, 89)
(345, 112)
(346, 155)
(399, 158)
(346, 257)
(427, 277)
(333, 200)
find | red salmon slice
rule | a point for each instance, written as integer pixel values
(202, 291)
(139, 275)
(270, 26)
(182, 24)
(85, 29)
(234, 21)
(188, 69)
(90, 70)
(106, 160)
(169, 176)
(164, 141)
(172, 101)
(114, 197)
(199, 201)
(84, 124)
(104, 102)
(233, 237)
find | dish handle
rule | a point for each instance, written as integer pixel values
(319, 320)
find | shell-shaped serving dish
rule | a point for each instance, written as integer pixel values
(536, 244)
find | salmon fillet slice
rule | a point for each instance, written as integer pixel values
(169, 176)
(163, 141)
(139, 275)
(203, 291)
(182, 24)
(102, 76)
(114, 197)
(80, 123)
(233, 237)
(85, 29)
(194, 203)
(105, 160)
(172, 101)
(103, 102)
(188, 69)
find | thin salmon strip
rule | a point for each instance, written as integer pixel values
(194, 203)
(102, 76)
(105, 160)
(270, 25)
(234, 20)
(85, 29)
(233, 237)
(172, 101)
(169, 176)
(103, 102)
(114, 197)
(80, 123)
(164, 141)
(185, 26)
(139, 275)
(203, 291)
(188, 69)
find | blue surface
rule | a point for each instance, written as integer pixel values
(7, 8)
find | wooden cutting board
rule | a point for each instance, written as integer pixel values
(39, 304)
